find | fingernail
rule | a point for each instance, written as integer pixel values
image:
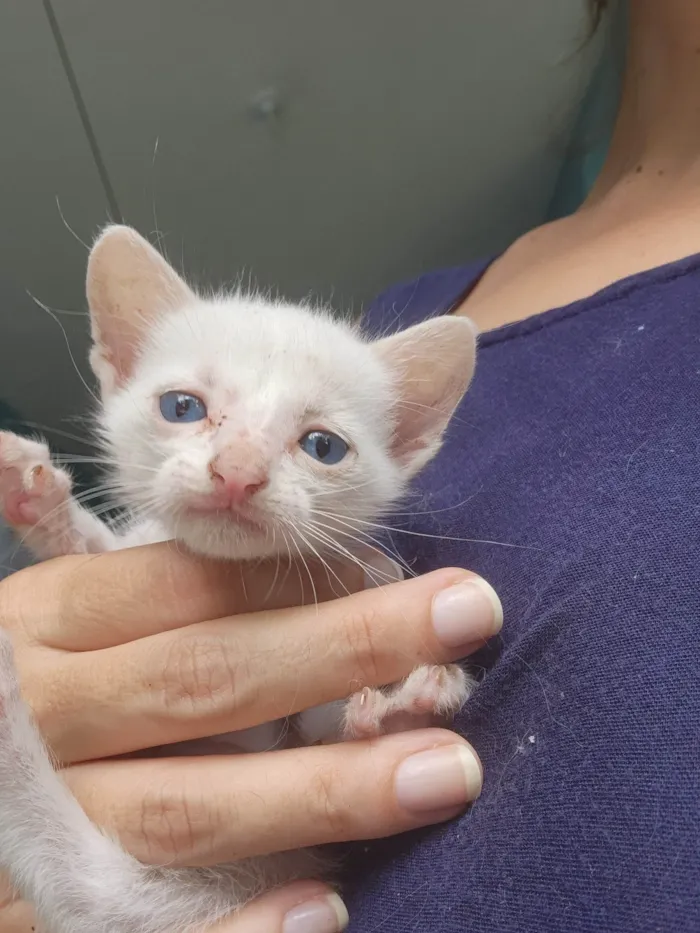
(465, 612)
(438, 779)
(380, 569)
(321, 915)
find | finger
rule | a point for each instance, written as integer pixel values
(108, 599)
(231, 674)
(298, 908)
(305, 907)
(204, 811)
(15, 916)
(18, 917)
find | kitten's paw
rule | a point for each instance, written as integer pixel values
(365, 714)
(437, 689)
(31, 487)
(429, 694)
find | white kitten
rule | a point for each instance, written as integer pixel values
(244, 428)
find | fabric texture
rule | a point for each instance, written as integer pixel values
(571, 481)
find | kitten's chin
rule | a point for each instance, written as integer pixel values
(223, 539)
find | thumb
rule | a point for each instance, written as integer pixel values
(305, 907)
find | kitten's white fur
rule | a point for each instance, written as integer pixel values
(268, 372)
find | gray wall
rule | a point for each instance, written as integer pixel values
(406, 135)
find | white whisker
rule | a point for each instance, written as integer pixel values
(323, 561)
(68, 346)
(311, 579)
(330, 542)
(363, 539)
(70, 229)
(35, 426)
(421, 534)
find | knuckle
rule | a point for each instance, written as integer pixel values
(18, 598)
(360, 634)
(330, 805)
(201, 675)
(55, 691)
(82, 596)
(171, 826)
(48, 598)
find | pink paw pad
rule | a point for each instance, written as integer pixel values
(436, 689)
(30, 485)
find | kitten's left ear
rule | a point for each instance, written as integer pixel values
(432, 364)
(129, 285)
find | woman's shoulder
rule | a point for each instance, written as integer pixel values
(429, 295)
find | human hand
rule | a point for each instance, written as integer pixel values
(297, 908)
(302, 907)
(118, 652)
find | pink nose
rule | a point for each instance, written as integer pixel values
(235, 482)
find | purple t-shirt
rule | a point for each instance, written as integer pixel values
(574, 464)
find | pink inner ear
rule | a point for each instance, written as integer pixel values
(432, 364)
(129, 285)
(114, 353)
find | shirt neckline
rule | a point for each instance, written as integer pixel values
(622, 288)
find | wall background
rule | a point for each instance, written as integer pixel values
(320, 146)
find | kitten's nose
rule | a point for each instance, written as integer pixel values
(235, 481)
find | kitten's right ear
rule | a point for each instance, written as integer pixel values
(432, 364)
(129, 285)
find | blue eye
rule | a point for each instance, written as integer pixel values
(179, 406)
(323, 446)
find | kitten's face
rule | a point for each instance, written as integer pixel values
(249, 429)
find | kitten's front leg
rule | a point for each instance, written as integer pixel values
(36, 499)
(431, 693)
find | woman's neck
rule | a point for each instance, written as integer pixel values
(656, 142)
(650, 182)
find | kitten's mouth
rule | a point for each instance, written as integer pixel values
(211, 509)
